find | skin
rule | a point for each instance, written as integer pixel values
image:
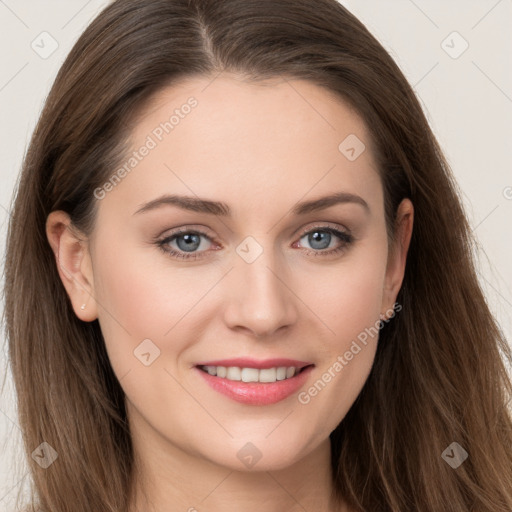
(260, 148)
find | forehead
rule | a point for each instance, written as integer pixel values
(247, 144)
(233, 109)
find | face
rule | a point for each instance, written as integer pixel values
(249, 269)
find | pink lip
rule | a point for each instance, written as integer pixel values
(246, 362)
(256, 393)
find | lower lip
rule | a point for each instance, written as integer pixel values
(256, 393)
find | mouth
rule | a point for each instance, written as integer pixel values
(248, 374)
(271, 382)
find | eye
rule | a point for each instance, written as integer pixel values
(187, 242)
(321, 238)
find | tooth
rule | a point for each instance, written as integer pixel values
(290, 372)
(268, 375)
(281, 373)
(212, 370)
(233, 373)
(250, 374)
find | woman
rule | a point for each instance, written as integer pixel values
(237, 266)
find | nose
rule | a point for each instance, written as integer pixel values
(260, 300)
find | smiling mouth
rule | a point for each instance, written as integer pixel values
(266, 375)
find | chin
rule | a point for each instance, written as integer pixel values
(259, 454)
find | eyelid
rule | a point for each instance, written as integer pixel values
(187, 228)
(325, 225)
(204, 231)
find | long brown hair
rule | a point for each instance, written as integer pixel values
(439, 374)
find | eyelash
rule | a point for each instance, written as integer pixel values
(346, 239)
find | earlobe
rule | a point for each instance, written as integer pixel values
(73, 264)
(395, 270)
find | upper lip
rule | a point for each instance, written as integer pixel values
(245, 362)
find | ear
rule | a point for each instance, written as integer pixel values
(73, 264)
(397, 255)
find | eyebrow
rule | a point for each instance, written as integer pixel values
(197, 204)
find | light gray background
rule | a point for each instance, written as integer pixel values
(468, 101)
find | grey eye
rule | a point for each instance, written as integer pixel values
(319, 239)
(189, 242)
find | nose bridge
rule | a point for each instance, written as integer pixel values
(259, 300)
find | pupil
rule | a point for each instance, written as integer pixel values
(317, 236)
(190, 241)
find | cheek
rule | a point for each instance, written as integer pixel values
(348, 301)
(145, 297)
(350, 308)
(141, 302)
(131, 303)
(348, 296)
(142, 293)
